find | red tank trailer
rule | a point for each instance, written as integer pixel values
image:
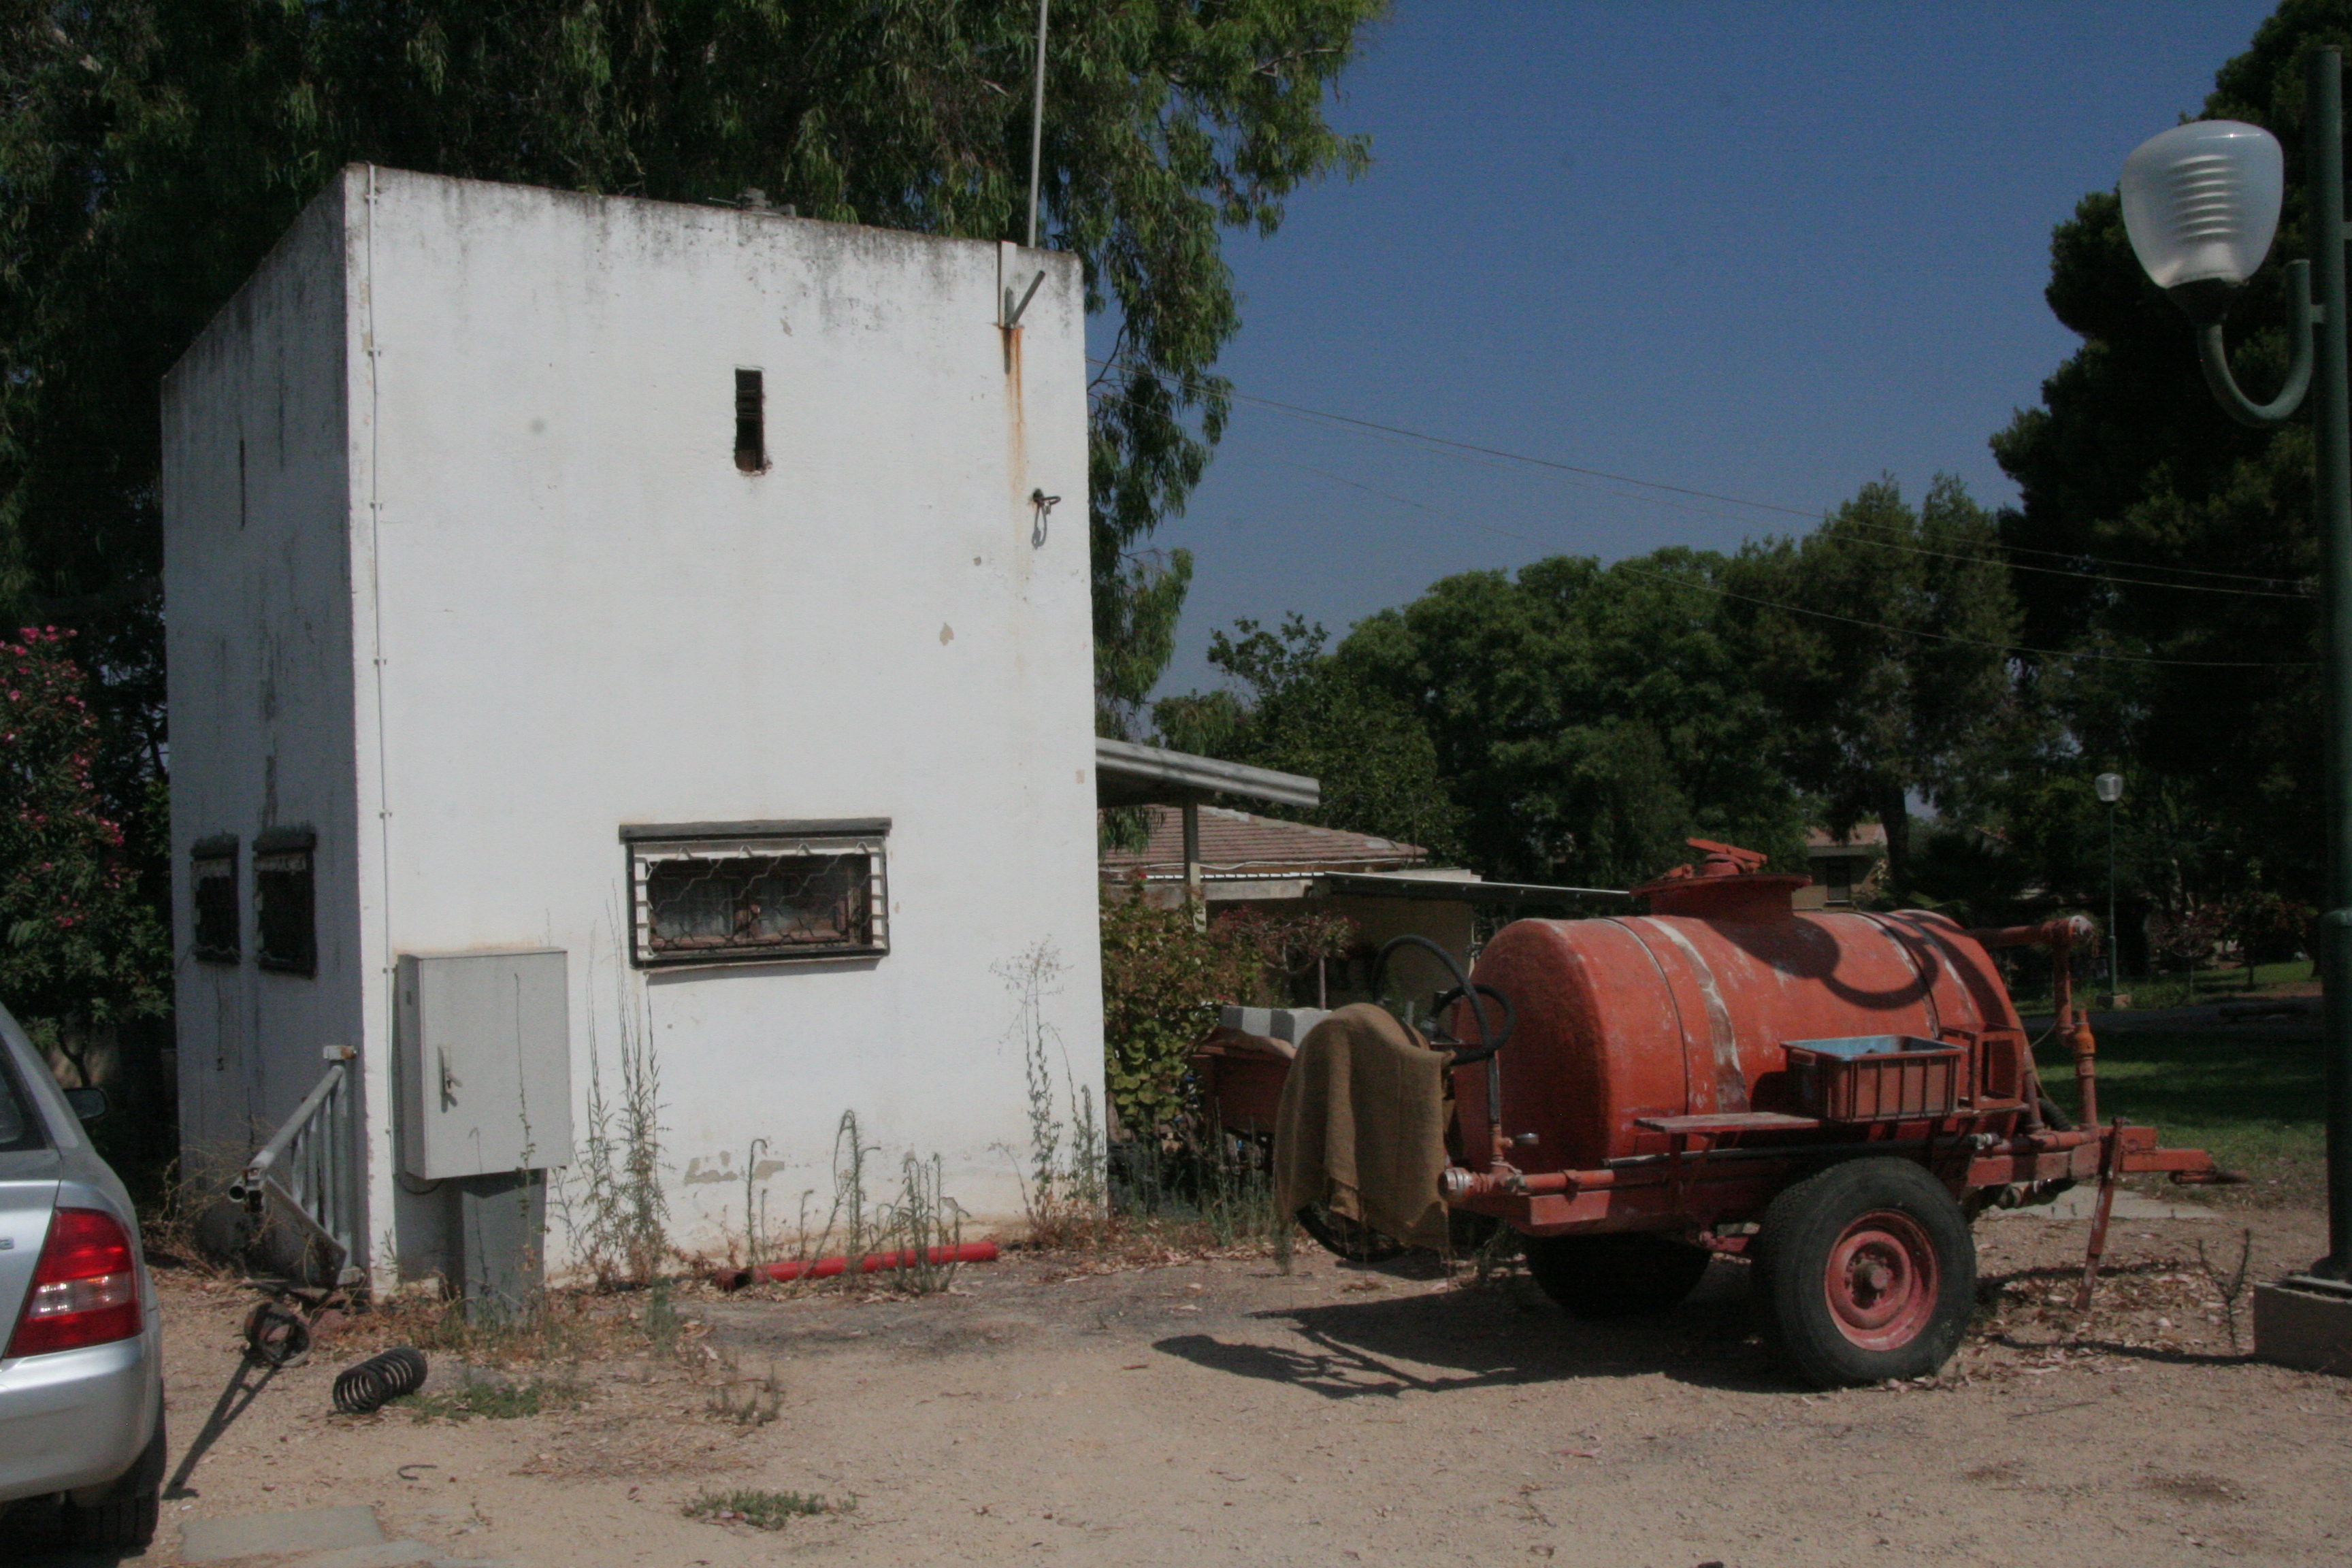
(1834, 1096)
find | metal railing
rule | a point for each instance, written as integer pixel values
(310, 1169)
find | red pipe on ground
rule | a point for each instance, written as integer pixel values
(872, 1263)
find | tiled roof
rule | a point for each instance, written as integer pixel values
(1237, 841)
(1866, 836)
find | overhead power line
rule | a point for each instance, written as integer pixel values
(2279, 588)
(1803, 610)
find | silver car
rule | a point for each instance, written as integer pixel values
(82, 1365)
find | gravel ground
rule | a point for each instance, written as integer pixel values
(1055, 1410)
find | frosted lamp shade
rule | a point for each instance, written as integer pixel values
(2201, 202)
(2110, 787)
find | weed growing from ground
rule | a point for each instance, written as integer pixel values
(759, 1509)
(496, 1401)
(173, 1224)
(662, 1324)
(1062, 1183)
(1217, 1194)
(623, 1232)
(2230, 1286)
(911, 1228)
(746, 1399)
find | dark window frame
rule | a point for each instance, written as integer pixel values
(735, 860)
(215, 928)
(751, 421)
(286, 901)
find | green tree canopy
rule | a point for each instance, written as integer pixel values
(1587, 718)
(1881, 641)
(2170, 552)
(1294, 708)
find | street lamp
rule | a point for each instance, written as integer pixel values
(2202, 204)
(2111, 790)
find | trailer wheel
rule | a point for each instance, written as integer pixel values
(1350, 1238)
(1624, 1274)
(1869, 1271)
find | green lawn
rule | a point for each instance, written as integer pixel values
(2153, 991)
(2254, 1103)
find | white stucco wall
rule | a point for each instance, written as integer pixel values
(257, 638)
(568, 611)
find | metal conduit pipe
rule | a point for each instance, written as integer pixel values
(2073, 1028)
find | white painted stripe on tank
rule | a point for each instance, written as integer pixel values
(1674, 1005)
(1730, 1083)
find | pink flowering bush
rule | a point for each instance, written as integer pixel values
(80, 950)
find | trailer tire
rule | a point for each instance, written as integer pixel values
(1623, 1274)
(1350, 1239)
(1869, 1272)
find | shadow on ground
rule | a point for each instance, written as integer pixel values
(1502, 1334)
(33, 1537)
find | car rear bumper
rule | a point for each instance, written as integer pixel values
(74, 1419)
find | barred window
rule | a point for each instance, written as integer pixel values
(212, 897)
(284, 901)
(758, 892)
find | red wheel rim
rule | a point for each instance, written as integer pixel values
(1882, 1280)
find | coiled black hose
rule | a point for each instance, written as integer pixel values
(378, 1379)
(1490, 1040)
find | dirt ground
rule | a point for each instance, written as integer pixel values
(1217, 1410)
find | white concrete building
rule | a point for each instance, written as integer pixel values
(668, 587)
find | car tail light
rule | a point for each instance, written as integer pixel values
(85, 1288)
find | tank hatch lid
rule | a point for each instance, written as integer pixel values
(1729, 884)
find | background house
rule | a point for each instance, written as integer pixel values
(660, 609)
(1234, 859)
(1844, 868)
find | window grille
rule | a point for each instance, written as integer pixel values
(212, 897)
(284, 901)
(758, 892)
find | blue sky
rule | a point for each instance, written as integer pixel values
(1767, 251)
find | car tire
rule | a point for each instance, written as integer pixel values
(123, 1520)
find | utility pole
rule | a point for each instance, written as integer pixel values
(1037, 123)
(2111, 790)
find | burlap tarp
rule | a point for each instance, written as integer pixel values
(1362, 1130)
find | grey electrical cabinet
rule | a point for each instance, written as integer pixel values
(485, 1068)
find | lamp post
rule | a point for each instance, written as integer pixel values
(2111, 790)
(2202, 204)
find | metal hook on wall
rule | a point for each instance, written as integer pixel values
(1045, 505)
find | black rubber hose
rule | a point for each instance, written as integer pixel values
(1490, 1042)
(1470, 1056)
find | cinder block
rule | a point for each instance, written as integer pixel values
(1248, 1020)
(278, 1534)
(2303, 1327)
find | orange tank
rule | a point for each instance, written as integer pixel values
(1690, 1011)
(1831, 1095)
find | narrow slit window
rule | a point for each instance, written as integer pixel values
(212, 892)
(284, 903)
(750, 423)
